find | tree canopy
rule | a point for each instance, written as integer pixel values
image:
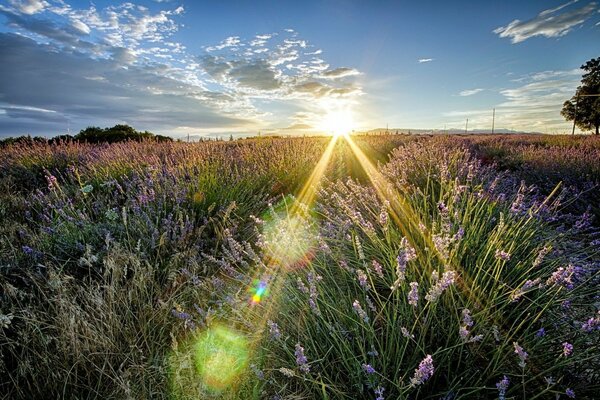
(584, 106)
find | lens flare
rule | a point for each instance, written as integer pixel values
(289, 236)
(221, 355)
(259, 291)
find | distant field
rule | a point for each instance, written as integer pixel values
(373, 267)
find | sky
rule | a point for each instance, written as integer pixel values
(214, 68)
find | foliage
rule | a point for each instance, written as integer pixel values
(584, 107)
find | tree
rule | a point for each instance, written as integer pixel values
(584, 106)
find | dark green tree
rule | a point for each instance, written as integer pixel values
(584, 106)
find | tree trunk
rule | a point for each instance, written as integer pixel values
(597, 126)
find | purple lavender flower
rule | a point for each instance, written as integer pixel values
(567, 349)
(424, 372)
(466, 315)
(27, 250)
(521, 353)
(379, 392)
(591, 324)
(260, 375)
(502, 255)
(406, 333)
(502, 387)
(435, 292)
(301, 360)
(570, 393)
(359, 310)
(363, 280)
(562, 277)
(540, 332)
(413, 294)
(274, 330)
(368, 369)
(377, 268)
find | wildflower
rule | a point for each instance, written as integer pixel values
(274, 330)
(424, 372)
(407, 253)
(406, 333)
(301, 286)
(368, 369)
(313, 279)
(467, 320)
(446, 280)
(413, 295)
(502, 387)
(359, 310)
(463, 332)
(287, 372)
(540, 257)
(370, 304)
(570, 393)
(383, 217)
(362, 279)
(521, 353)
(549, 380)
(562, 277)
(591, 324)
(301, 360)
(260, 375)
(377, 268)
(27, 250)
(567, 349)
(540, 333)
(502, 255)
(51, 180)
(379, 392)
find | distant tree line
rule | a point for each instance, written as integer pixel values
(93, 134)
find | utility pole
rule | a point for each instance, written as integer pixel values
(467, 125)
(493, 119)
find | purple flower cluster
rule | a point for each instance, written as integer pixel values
(592, 324)
(562, 277)
(378, 269)
(360, 311)
(413, 294)
(424, 372)
(379, 392)
(274, 330)
(502, 387)
(368, 369)
(521, 353)
(301, 359)
(567, 349)
(502, 255)
(440, 286)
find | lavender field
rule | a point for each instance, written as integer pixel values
(352, 267)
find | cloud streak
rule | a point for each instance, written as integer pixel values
(548, 23)
(470, 92)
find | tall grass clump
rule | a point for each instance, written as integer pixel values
(185, 271)
(501, 305)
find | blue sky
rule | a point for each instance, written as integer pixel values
(214, 68)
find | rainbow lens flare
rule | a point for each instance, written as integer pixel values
(259, 291)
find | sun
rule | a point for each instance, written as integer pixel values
(337, 122)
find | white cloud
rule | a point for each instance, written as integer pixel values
(425, 60)
(29, 7)
(548, 23)
(533, 105)
(470, 92)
